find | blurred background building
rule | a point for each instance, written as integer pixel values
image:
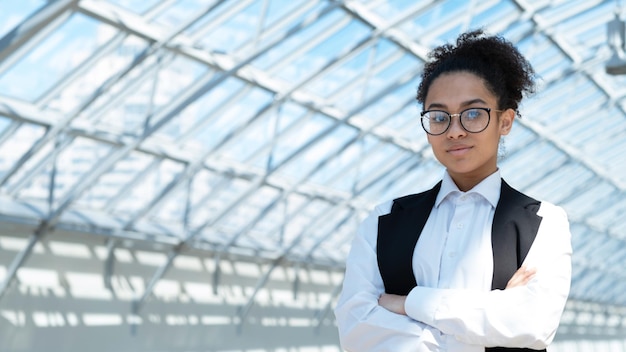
(187, 175)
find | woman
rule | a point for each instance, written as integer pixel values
(472, 264)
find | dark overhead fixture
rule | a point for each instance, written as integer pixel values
(616, 33)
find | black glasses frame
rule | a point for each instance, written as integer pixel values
(488, 110)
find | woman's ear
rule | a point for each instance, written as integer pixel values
(506, 121)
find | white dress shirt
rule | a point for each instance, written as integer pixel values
(453, 308)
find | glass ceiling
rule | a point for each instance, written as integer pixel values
(268, 129)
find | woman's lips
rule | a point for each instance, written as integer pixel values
(459, 150)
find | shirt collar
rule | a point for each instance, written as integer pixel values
(489, 188)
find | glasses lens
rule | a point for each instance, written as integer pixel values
(475, 120)
(435, 122)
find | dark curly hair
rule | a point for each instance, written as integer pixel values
(507, 74)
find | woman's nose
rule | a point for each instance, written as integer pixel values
(455, 130)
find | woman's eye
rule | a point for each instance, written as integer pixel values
(473, 113)
(440, 118)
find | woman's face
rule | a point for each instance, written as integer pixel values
(468, 157)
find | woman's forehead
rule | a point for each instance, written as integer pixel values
(458, 89)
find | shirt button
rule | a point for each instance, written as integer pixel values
(452, 254)
(459, 225)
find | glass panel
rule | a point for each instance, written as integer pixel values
(402, 97)
(313, 238)
(73, 164)
(611, 215)
(18, 143)
(14, 12)
(293, 43)
(398, 74)
(317, 154)
(104, 78)
(239, 218)
(334, 46)
(76, 162)
(38, 189)
(290, 144)
(329, 83)
(179, 13)
(547, 60)
(202, 184)
(343, 169)
(521, 168)
(552, 188)
(109, 186)
(231, 116)
(390, 9)
(280, 8)
(406, 123)
(272, 226)
(289, 120)
(304, 221)
(138, 6)
(138, 106)
(144, 192)
(235, 31)
(225, 192)
(42, 68)
(383, 166)
(588, 200)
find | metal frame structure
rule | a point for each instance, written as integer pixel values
(263, 131)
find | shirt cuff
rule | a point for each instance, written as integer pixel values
(422, 303)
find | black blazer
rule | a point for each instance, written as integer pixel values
(514, 228)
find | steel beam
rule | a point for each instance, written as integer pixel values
(18, 42)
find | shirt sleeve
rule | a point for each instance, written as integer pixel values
(364, 325)
(526, 316)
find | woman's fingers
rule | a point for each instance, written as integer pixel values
(521, 277)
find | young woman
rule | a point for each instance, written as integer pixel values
(472, 264)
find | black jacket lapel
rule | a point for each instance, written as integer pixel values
(398, 233)
(514, 228)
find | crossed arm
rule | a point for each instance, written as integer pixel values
(395, 303)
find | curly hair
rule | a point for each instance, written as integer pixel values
(507, 74)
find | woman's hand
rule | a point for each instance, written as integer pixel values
(521, 277)
(393, 303)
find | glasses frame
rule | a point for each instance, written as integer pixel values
(488, 110)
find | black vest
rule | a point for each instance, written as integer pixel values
(514, 228)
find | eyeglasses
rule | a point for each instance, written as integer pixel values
(473, 120)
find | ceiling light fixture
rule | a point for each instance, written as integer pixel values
(616, 33)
